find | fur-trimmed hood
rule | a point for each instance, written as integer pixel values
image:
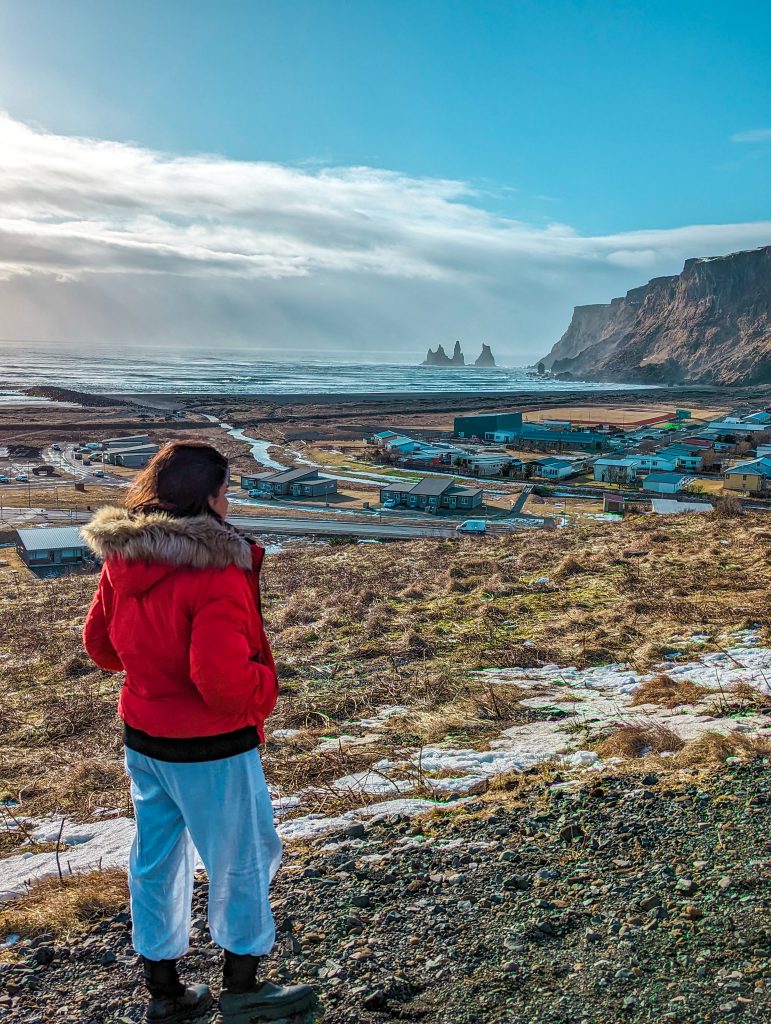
(195, 542)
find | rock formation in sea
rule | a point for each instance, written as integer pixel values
(440, 357)
(710, 324)
(485, 357)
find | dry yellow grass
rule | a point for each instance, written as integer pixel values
(57, 907)
(714, 747)
(356, 628)
(638, 740)
(668, 692)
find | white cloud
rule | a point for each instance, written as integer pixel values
(755, 135)
(103, 241)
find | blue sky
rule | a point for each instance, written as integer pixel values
(605, 118)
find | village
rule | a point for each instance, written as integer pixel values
(488, 472)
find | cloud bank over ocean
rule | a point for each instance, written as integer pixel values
(106, 241)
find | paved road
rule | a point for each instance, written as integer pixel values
(320, 527)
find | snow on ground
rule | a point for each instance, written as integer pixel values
(587, 700)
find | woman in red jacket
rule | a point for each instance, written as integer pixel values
(178, 611)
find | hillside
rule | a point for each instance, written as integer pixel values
(518, 781)
(711, 324)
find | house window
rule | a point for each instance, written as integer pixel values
(71, 554)
(39, 556)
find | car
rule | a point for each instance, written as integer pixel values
(86, 462)
(472, 526)
(390, 504)
(98, 472)
(22, 478)
(56, 447)
(78, 455)
(4, 479)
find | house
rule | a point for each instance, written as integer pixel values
(653, 462)
(431, 494)
(556, 468)
(666, 483)
(729, 427)
(382, 437)
(51, 547)
(125, 442)
(134, 457)
(763, 451)
(685, 457)
(753, 477)
(483, 427)
(487, 465)
(615, 471)
(291, 483)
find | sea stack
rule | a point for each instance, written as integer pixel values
(440, 357)
(485, 357)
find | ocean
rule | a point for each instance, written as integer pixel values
(195, 371)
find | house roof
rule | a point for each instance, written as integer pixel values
(615, 462)
(288, 476)
(671, 507)
(431, 486)
(45, 538)
(761, 466)
(665, 478)
(386, 433)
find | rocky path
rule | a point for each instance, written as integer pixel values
(629, 898)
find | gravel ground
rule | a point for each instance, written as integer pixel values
(629, 898)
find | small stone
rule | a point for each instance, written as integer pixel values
(693, 913)
(569, 833)
(725, 882)
(592, 936)
(107, 958)
(44, 955)
(362, 900)
(686, 886)
(649, 902)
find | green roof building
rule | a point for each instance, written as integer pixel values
(481, 426)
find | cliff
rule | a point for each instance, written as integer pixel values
(710, 324)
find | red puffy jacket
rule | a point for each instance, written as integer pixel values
(177, 609)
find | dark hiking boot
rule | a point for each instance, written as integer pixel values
(170, 1002)
(244, 1000)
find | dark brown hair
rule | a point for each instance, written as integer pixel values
(179, 480)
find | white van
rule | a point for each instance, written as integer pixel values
(472, 526)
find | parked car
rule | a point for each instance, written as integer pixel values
(472, 526)
(4, 479)
(22, 478)
(56, 447)
(86, 462)
(78, 455)
(98, 472)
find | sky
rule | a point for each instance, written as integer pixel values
(364, 179)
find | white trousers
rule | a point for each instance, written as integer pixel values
(222, 809)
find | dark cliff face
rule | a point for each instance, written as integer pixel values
(711, 324)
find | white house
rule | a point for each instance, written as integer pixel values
(486, 465)
(557, 468)
(615, 470)
(654, 462)
(666, 483)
